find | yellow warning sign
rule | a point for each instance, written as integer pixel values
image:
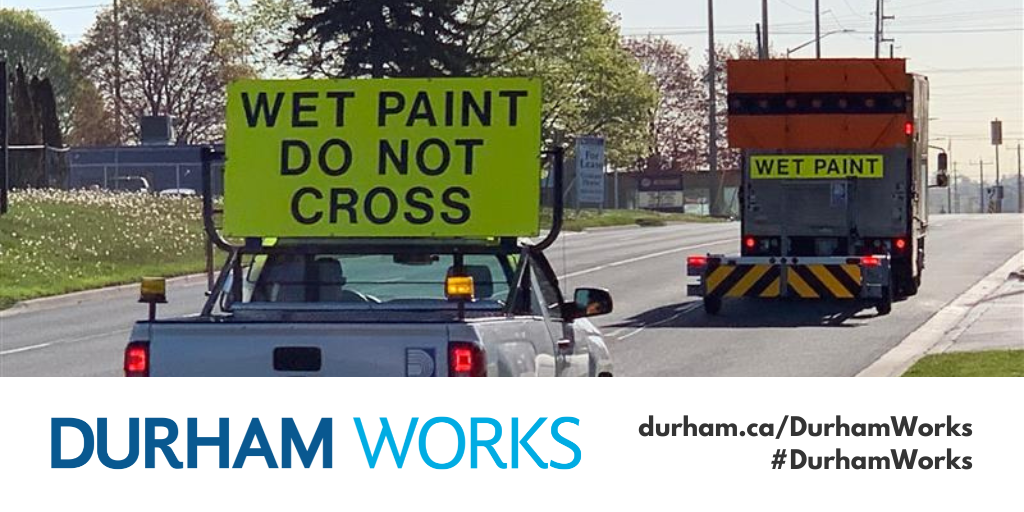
(383, 158)
(816, 166)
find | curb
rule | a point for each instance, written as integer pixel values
(598, 229)
(71, 299)
(900, 358)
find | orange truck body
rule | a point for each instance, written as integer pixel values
(796, 127)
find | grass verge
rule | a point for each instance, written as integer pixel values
(590, 218)
(988, 363)
(54, 242)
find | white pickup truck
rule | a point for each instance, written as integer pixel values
(410, 307)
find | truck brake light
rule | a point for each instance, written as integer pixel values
(750, 242)
(870, 261)
(136, 359)
(466, 360)
(696, 261)
(901, 243)
(908, 128)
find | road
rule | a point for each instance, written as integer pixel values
(655, 330)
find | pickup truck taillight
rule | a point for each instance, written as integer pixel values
(136, 359)
(466, 360)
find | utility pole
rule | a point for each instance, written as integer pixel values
(117, 71)
(997, 191)
(4, 182)
(956, 191)
(878, 28)
(712, 100)
(764, 28)
(997, 140)
(981, 186)
(817, 29)
(880, 19)
(1020, 191)
(949, 196)
(760, 48)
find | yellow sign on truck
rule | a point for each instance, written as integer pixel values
(383, 158)
(816, 166)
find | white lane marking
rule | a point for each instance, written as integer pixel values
(617, 331)
(644, 257)
(24, 349)
(64, 341)
(663, 321)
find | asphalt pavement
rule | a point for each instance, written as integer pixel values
(655, 330)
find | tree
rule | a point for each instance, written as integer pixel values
(177, 57)
(34, 122)
(378, 38)
(727, 158)
(26, 166)
(91, 123)
(31, 42)
(592, 85)
(678, 140)
(263, 27)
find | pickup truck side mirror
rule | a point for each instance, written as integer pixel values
(591, 302)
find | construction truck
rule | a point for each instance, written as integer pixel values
(834, 188)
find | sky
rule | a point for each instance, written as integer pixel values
(971, 50)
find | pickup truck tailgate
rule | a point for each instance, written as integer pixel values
(296, 349)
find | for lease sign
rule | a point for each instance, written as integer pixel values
(383, 158)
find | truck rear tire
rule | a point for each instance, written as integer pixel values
(904, 280)
(910, 285)
(712, 305)
(884, 304)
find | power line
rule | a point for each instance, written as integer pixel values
(929, 20)
(68, 8)
(972, 70)
(795, 8)
(809, 32)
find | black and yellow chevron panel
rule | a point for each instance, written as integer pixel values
(744, 281)
(767, 281)
(824, 281)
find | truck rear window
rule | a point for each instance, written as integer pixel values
(393, 280)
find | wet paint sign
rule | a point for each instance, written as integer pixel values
(816, 166)
(383, 158)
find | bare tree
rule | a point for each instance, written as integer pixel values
(177, 57)
(728, 158)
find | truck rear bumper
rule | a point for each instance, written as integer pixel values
(836, 277)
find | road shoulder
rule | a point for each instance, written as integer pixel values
(943, 329)
(71, 299)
